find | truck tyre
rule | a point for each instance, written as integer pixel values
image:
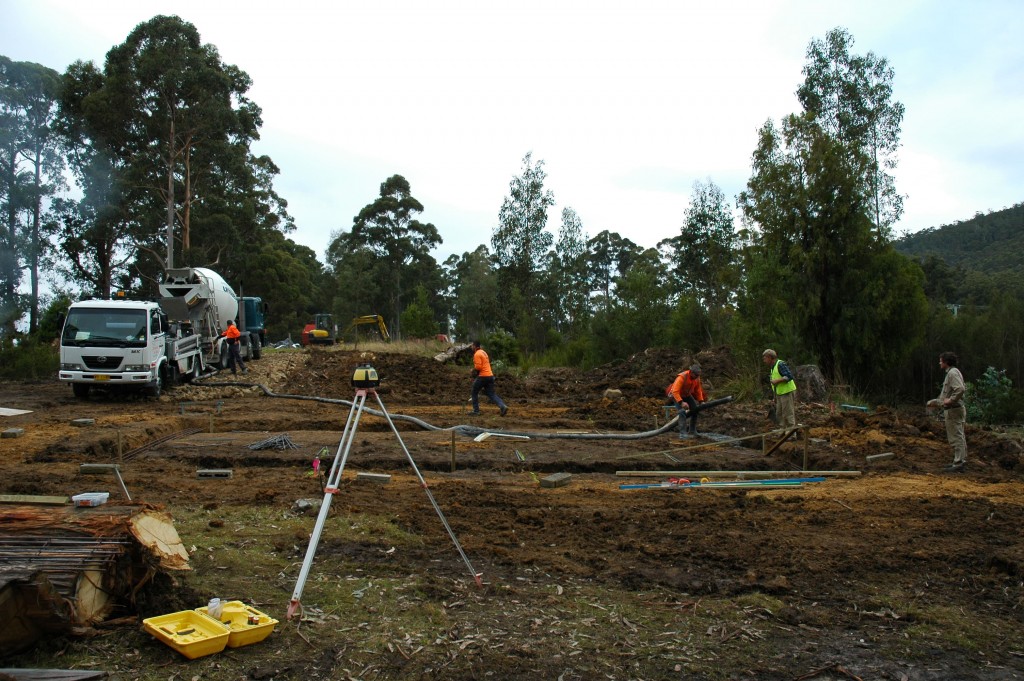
(81, 390)
(158, 385)
(254, 346)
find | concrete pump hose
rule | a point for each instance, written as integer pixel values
(473, 431)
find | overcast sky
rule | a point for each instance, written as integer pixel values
(627, 103)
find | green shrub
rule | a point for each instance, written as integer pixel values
(991, 399)
(28, 361)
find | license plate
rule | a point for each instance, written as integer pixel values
(101, 377)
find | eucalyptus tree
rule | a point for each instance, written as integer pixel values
(393, 247)
(476, 297)
(569, 271)
(810, 204)
(609, 255)
(520, 242)
(165, 129)
(850, 97)
(704, 256)
(31, 171)
(637, 318)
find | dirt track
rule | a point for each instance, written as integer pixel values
(901, 572)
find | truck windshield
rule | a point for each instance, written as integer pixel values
(96, 327)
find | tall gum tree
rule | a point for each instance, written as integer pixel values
(31, 171)
(811, 205)
(395, 245)
(174, 125)
(520, 242)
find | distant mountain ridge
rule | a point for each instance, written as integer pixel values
(992, 243)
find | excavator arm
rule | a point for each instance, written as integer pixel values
(376, 319)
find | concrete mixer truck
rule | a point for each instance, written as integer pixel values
(147, 344)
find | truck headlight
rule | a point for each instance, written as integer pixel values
(70, 366)
(136, 367)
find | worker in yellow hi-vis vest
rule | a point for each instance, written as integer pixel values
(784, 389)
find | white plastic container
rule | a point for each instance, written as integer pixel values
(91, 498)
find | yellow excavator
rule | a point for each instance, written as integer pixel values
(374, 319)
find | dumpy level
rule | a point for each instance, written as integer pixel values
(365, 381)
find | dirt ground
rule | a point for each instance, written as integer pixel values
(893, 570)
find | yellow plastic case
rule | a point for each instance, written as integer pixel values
(189, 632)
(246, 624)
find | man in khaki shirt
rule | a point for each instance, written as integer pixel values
(951, 401)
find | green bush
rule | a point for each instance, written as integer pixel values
(991, 399)
(28, 361)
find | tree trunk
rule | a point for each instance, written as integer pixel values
(64, 568)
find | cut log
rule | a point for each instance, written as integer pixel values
(453, 352)
(64, 569)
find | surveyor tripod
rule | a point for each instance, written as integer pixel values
(334, 478)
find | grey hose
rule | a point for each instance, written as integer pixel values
(473, 431)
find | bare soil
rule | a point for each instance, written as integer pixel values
(904, 571)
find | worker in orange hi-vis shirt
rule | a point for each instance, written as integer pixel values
(230, 336)
(686, 392)
(483, 380)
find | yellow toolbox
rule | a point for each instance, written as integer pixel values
(191, 633)
(246, 624)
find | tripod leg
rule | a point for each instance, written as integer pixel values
(333, 479)
(444, 521)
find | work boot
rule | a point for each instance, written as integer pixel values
(245, 371)
(504, 410)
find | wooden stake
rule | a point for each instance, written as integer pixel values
(453, 451)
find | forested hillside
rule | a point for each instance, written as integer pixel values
(993, 242)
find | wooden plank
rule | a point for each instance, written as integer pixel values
(13, 432)
(737, 474)
(214, 473)
(877, 457)
(379, 478)
(32, 499)
(52, 674)
(98, 467)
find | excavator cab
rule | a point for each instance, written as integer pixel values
(321, 332)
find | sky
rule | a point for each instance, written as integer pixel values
(627, 103)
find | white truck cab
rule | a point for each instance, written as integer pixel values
(114, 344)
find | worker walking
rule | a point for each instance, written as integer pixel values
(483, 380)
(783, 388)
(230, 336)
(686, 392)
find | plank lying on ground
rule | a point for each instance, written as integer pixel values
(52, 674)
(214, 473)
(734, 474)
(379, 478)
(32, 499)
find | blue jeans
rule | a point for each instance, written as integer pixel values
(691, 402)
(485, 384)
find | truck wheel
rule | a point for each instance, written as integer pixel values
(254, 346)
(81, 390)
(158, 385)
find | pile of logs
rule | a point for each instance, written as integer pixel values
(65, 568)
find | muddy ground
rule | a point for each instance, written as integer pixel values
(900, 571)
